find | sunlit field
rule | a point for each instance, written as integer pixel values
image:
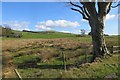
(39, 57)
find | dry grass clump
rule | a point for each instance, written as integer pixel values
(47, 53)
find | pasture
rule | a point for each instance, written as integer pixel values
(42, 57)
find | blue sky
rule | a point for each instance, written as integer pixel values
(39, 16)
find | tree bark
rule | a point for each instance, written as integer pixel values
(96, 22)
(99, 46)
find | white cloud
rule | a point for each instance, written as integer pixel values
(26, 29)
(65, 31)
(16, 25)
(49, 24)
(42, 27)
(83, 20)
(110, 16)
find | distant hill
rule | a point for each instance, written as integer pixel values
(43, 34)
(39, 31)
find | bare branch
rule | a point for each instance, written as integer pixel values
(90, 8)
(81, 11)
(77, 10)
(109, 8)
(84, 17)
(77, 6)
(116, 6)
(85, 10)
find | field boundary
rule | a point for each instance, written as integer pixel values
(115, 49)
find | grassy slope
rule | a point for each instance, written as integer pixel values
(28, 35)
(45, 35)
(107, 68)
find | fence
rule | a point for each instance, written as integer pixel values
(115, 49)
(85, 59)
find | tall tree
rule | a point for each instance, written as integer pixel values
(96, 17)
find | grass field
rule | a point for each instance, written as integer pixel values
(46, 50)
(45, 35)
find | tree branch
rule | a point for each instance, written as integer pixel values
(77, 10)
(84, 17)
(116, 6)
(104, 8)
(109, 8)
(90, 8)
(77, 6)
(87, 14)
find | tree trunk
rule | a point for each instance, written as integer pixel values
(99, 46)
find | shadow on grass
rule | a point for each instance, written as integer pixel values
(47, 66)
(50, 67)
(54, 66)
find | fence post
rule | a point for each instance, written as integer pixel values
(64, 61)
(18, 74)
(86, 55)
(115, 49)
(112, 49)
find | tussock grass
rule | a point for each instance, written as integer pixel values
(49, 51)
(93, 70)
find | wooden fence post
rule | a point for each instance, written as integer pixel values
(18, 74)
(116, 49)
(85, 55)
(64, 61)
(112, 49)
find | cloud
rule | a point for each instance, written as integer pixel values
(83, 20)
(42, 27)
(65, 31)
(110, 16)
(49, 24)
(16, 25)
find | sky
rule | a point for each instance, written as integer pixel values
(57, 16)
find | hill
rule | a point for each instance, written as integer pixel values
(44, 34)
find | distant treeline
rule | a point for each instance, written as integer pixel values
(39, 31)
(8, 32)
(30, 31)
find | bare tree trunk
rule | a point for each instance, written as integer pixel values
(95, 16)
(99, 46)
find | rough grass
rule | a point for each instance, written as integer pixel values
(45, 35)
(23, 59)
(49, 50)
(93, 70)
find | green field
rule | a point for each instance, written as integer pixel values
(46, 51)
(46, 34)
